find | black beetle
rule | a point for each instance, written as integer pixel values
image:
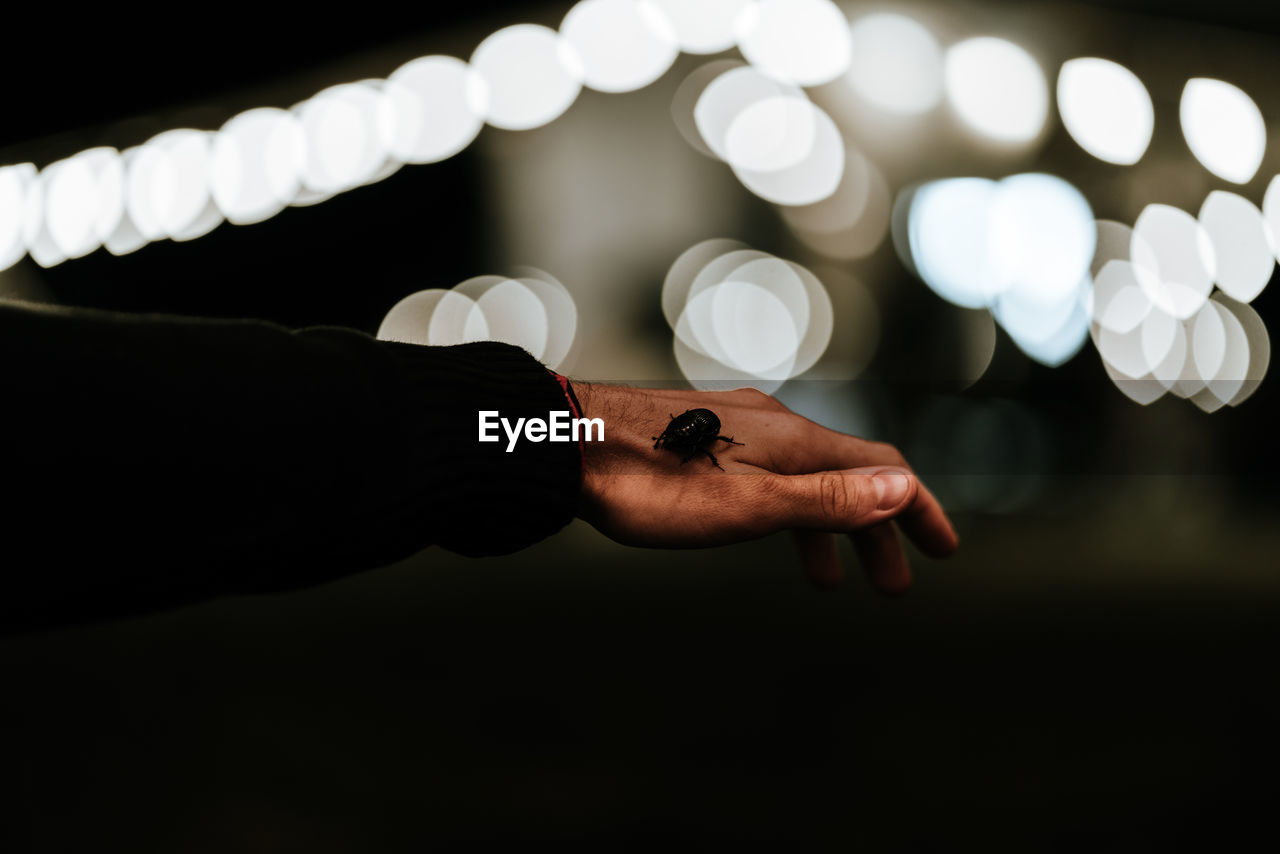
(689, 432)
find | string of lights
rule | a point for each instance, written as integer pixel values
(1165, 301)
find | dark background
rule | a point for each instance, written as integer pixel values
(1096, 669)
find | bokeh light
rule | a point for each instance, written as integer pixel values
(997, 89)
(83, 200)
(948, 230)
(1224, 128)
(1106, 109)
(35, 231)
(1124, 351)
(687, 96)
(841, 209)
(1115, 241)
(457, 319)
(533, 311)
(14, 183)
(255, 169)
(978, 345)
(1111, 244)
(512, 312)
(561, 313)
(1163, 345)
(1041, 237)
(856, 326)
(805, 300)
(805, 42)
(1214, 357)
(744, 322)
(703, 26)
(741, 316)
(685, 269)
(531, 74)
(1210, 341)
(719, 269)
(708, 374)
(344, 148)
(1230, 373)
(1243, 244)
(771, 134)
(1024, 251)
(1184, 260)
(780, 145)
(1119, 302)
(727, 96)
(1021, 247)
(624, 45)
(431, 108)
(804, 181)
(1258, 343)
(409, 320)
(167, 186)
(821, 325)
(896, 63)
(696, 329)
(853, 221)
(1141, 390)
(1271, 212)
(126, 237)
(1050, 333)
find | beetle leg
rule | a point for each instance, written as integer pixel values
(729, 439)
(714, 461)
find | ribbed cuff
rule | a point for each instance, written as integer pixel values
(476, 497)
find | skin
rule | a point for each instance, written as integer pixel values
(789, 474)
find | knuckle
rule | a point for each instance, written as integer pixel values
(795, 439)
(891, 453)
(838, 497)
(812, 432)
(756, 397)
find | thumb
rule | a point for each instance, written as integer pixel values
(843, 501)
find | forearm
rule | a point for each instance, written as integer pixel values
(155, 458)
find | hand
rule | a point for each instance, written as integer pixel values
(789, 473)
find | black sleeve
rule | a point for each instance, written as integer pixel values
(152, 460)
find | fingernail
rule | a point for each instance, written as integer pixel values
(891, 488)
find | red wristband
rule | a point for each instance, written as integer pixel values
(576, 409)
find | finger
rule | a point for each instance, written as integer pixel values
(929, 527)
(882, 558)
(925, 522)
(819, 558)
(841, 501)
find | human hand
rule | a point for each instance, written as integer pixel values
(788, 473)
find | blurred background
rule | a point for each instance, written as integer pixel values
(1029, 243)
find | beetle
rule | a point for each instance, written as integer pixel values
(689, 432)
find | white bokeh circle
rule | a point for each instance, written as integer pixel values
(531, 74)
(896, 63)
(1106, 109)
(623, 45)
(804, 42)
(997, 89)
(431, 109)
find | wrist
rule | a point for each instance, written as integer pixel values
(575, 412)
